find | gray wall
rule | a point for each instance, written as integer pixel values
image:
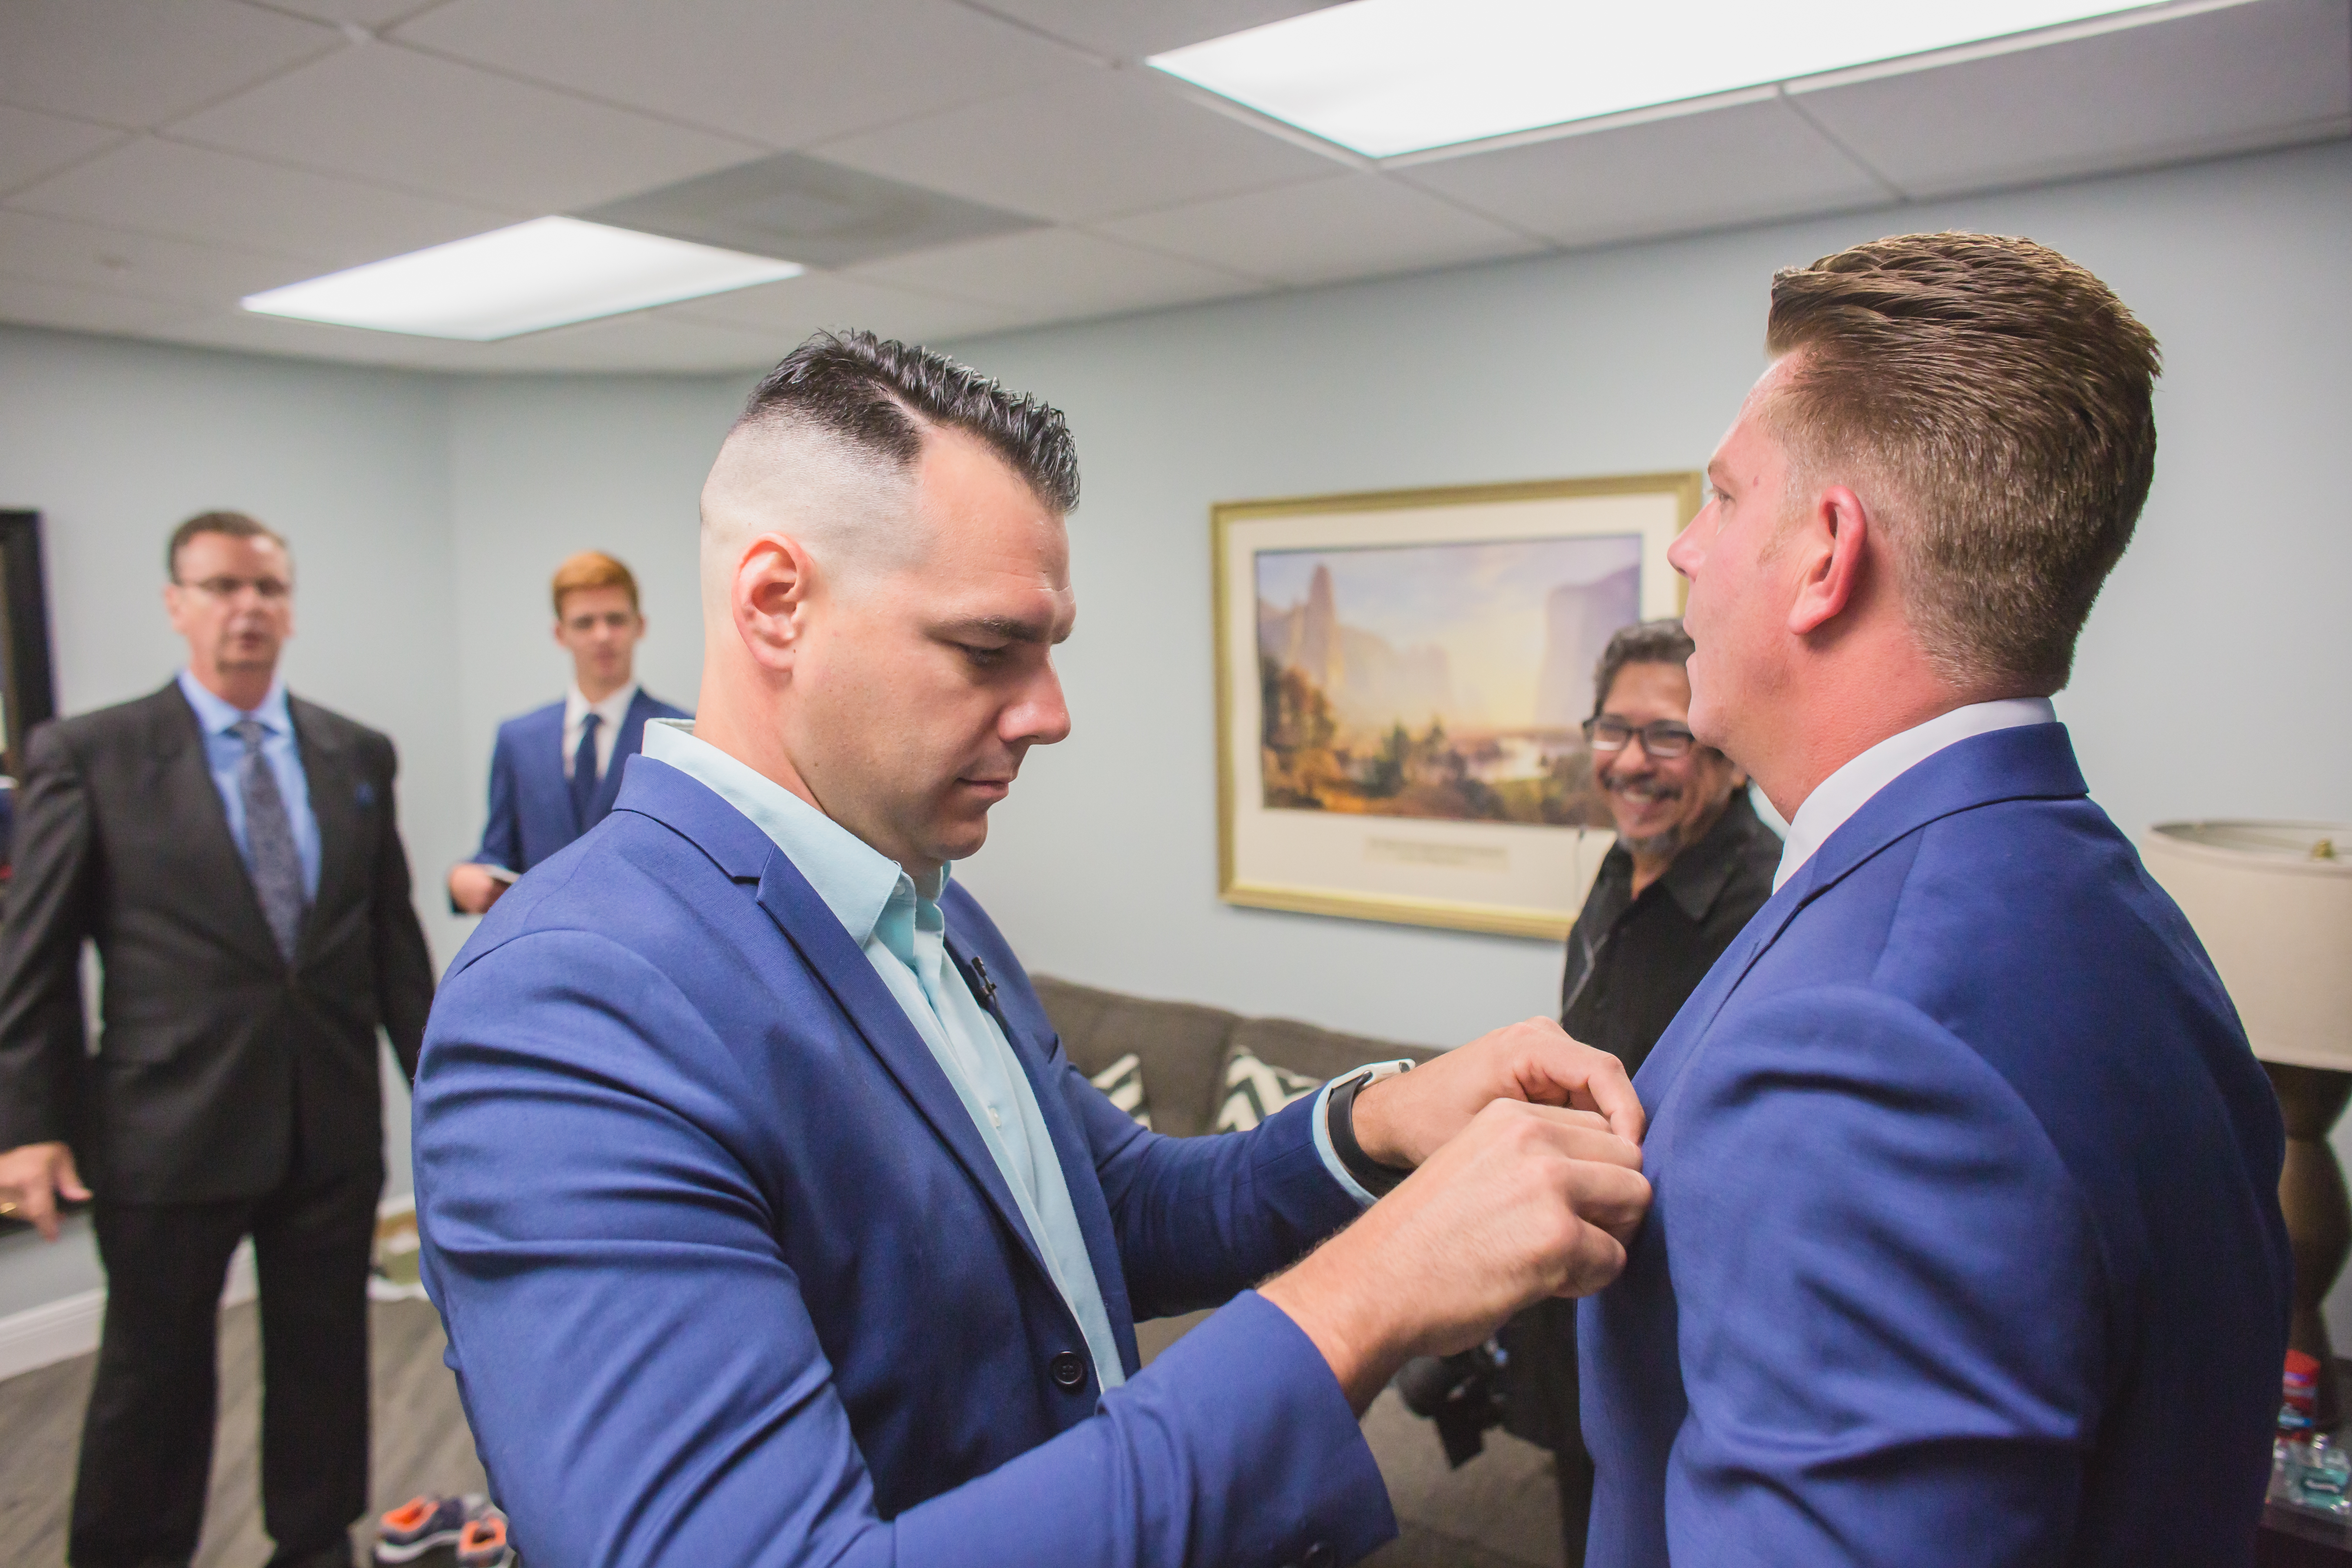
(428, 513)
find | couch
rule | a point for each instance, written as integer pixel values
(1500, 1510)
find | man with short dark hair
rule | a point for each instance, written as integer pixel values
(234, 854)
(1691, 865)
(770, 1222)
(1966, 1247)
(555, 770)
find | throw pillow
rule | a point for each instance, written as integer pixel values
(1122, 1082)
(1255, 1090)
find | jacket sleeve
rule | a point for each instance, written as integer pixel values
(1905, 1346)
(501, 832)
(52, 906)
(403, 964)
(646, 1384)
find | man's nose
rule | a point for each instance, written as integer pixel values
(1041, 717)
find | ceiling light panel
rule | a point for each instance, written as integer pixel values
(549, 272)
(1390, 76)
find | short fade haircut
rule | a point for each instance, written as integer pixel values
(879, 395)
(1644, 642)
(591, 569)
(1998, 399)
(235, 524)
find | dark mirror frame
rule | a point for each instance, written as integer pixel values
(28, 677)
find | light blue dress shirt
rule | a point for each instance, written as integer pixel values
(225, 755)
(903, 935)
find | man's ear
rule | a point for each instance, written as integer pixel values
(1831, 544)
(773, 580)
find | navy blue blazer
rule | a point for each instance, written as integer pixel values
(1965, 1245)
(531, 800)
(730, 1277)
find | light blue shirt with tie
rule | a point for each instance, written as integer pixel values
(224, 755)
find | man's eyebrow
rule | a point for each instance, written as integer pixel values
(1011, 628)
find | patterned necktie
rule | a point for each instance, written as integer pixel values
(584, 772)
(270, 855)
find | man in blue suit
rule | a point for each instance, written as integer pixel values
(556, 771)
(771, 1223)
(1966, 1246)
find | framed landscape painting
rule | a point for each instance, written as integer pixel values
(1402, 678)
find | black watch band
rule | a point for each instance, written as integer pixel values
(1340, 1120)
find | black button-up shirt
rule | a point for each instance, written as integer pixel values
(1632, 963)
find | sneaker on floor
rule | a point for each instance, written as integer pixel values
(422, 1523)
(484, 1542)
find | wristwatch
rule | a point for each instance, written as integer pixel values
(1340, 1120)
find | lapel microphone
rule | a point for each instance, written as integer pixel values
(987, 986)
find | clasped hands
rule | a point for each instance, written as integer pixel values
(1526, 1152)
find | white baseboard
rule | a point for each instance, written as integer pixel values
(61, 1329)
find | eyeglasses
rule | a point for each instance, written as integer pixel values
(271, 589)
(1665, 739)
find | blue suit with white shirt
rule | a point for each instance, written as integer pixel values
(1964, 1244)
(531, 812)
(771, 1224)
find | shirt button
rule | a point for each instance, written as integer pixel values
(1319, 1555)
(1066, 1370)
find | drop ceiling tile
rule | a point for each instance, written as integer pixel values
(1093, 146)
(393, 116)
(136, 63)
(58, 251)
(188, 192)
(1058, 274)
(788, 311)
(33, 146)
(653, 342)
(1744, 162)
(357, 13)
(35, 303)
(787, 75)
(1130, 29)
(1353, 226)
(2218, 81)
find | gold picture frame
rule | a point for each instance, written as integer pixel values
(1477, 825)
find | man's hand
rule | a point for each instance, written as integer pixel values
(33, 1176)
(1528, 1201)
(473, 889)
(1404, 1120)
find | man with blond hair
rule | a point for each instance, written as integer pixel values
(1966, 1246)
(556, 770)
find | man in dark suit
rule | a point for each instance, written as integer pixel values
(1967, 1245)
(557, 770)
(233, 854)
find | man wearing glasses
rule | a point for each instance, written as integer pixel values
(233, 851)
(1693, 863)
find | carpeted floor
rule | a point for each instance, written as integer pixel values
(1498, 1512)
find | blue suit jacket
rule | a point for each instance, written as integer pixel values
(730, 1277)
(531, 800)
(1966, 1244)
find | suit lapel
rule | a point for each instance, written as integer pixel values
(834, 960)
(1071, 1150)
(332, 774)
(626, 744)
(185, 776)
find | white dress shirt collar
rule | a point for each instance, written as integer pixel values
(609, 715)
(1837, 797)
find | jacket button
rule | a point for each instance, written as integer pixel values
(1318, 1555)
(1067, 1369)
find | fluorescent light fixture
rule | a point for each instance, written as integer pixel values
(1390, 77)
(545, 273)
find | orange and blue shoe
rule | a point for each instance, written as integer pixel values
(484, 1542)
(422, 1523)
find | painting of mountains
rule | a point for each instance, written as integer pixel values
(1437, 680)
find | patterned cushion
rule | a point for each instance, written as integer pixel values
(1255, 1090)
(1122, 1081)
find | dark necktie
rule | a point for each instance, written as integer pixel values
(584, 772)
(270, 855)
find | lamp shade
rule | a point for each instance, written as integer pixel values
(2272, 901)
